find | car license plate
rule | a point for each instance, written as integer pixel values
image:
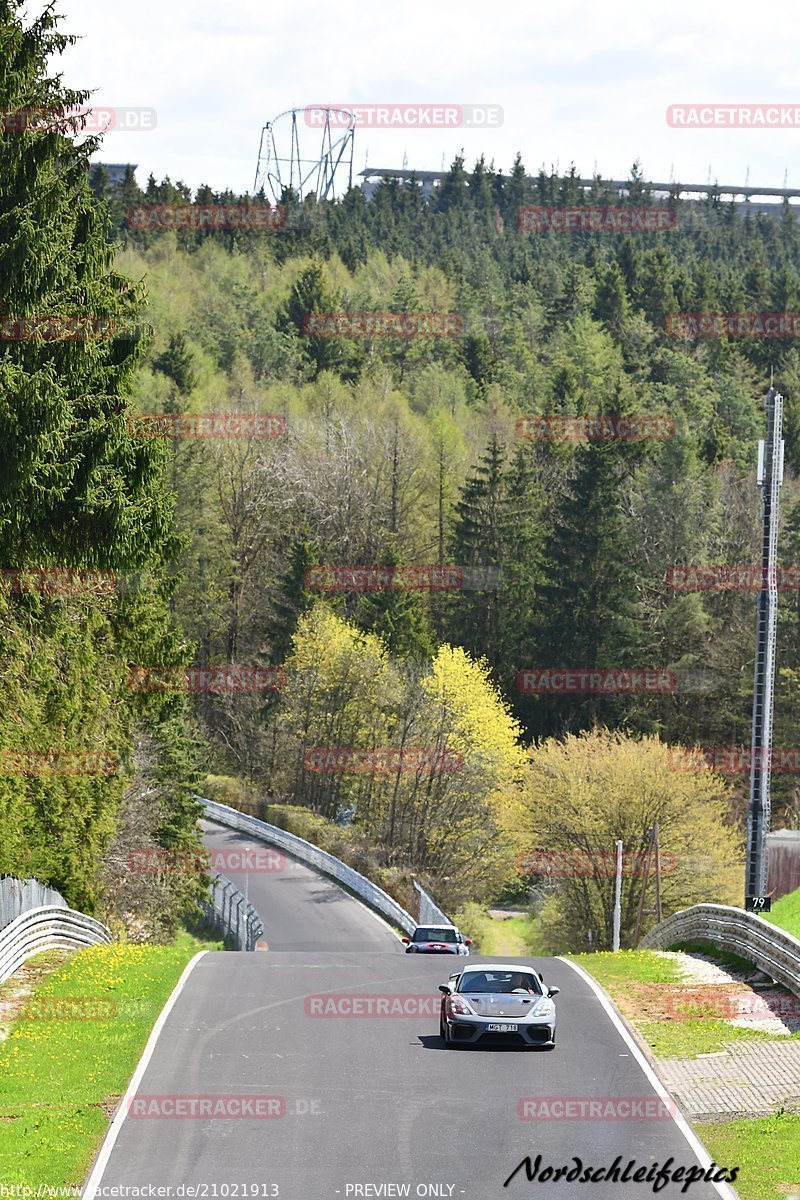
(501, 1028)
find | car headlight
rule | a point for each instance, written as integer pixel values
(545, 1008)
(459, 1007)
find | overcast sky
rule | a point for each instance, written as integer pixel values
(578, 80)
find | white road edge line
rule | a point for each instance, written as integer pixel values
(113, 1131)
(723, 1189)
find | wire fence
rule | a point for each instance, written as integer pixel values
(232, 915)
(429, 911)
(18, 896)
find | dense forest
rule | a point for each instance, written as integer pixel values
(387, 452)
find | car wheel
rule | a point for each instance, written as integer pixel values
(551, 1045)
(448, 1044)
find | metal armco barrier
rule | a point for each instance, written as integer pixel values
(49, 927)
(775, 952)
(320, 860)
(429, 911)
(232, 915)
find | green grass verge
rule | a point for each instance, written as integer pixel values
(670, 1038)
(786, 913)
(702, 1035)
(767, 1152)
(615, 971)
(61, 1078)
(516, 937)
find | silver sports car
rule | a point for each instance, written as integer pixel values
(498, 1003)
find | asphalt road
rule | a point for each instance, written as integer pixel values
(300, 910)
(373, 1105)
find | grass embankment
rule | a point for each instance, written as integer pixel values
(64, 1067)
(650, 991)
(786, 913)
(766, 1150)
(647, 989)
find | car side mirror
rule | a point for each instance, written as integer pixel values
(445, 989)
(406, 941)
(553, 991)
(467, 941)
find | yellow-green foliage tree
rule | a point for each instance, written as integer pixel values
(477, 815)
(587, 791)
(453, 813)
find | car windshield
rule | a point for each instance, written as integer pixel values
(434, 935)
(500, 981)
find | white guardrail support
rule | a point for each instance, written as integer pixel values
(49, 927)
(773, 950)
(320, 860)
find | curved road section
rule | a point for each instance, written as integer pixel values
(314, 1071)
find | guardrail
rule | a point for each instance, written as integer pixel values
(320, 860)
(232, 914)
(49, 927)
(773, 950)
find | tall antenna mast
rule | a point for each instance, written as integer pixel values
(769, 479)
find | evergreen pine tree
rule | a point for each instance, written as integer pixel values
(397, 614)
(292, 598)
